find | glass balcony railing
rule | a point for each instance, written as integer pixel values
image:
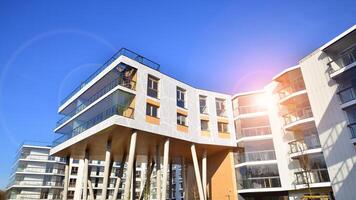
(260, 182)
(39, 157)
(342, 61)
(114, 110)
(254, 131)
(307, 143)
(128, 83)
(251, 109)
(38, 183)
(352, 127)
(255, 156)
(297, 115)
(121, 52)
(312, 176)
(41, 170)
(291, 88)
(347, 94)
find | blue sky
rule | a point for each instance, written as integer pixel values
(48, 47)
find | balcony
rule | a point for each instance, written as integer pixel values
(128, 83)
(307, 143)
(121, 52)
(352, 128)
(347, 95)
(41, 170)
(255, 156)
(253, 109)
(291, 88)
(260, 182)
(312, 176)
(342, 63)
(117, 109)
(255, 131)
(297, 117)
(38, 183)
(38, 157)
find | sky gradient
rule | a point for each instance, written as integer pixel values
(49, 47)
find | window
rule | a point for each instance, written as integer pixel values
(222, 127)
(72, 182)
(220, 107)
(202, 104)
(181, 119)
(180, 97)
(151, 110)
(204, 124)
(152, 86)
(74, 171)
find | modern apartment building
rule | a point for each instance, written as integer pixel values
(293, 139)
(36, 175)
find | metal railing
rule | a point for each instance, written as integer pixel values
(260, 182)
(128, 83)
(203, 109)
(251, 109)
(255, 156)
(124, 111)
(38, 157)
(297, 115)
(352, 128)
(342, 61)
(291, 88)
(347, 94)
(121, 52)
(309, 142)
(221, 112)
(312, 176)
(255, 131)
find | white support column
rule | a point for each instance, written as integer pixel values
(130, 165)
(91, 191)
(79, 183)
(158, 172)
(66, 179)
(204, 173)
(85, 176)
(165, 168)
(184, 175)
(197, 172)
(106, 170)
(118, 179)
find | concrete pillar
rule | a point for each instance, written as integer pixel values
(106, 170)
(158, 172)
(133, 189)
(119, 177)
(79, 183)
(130, 165)
(204, 173)
(197, 172)
(85, 176)
(170, 195)
(165, 168)
(66, 179)
(184, 176)
(91, 191)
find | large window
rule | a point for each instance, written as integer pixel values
(223, 127)
(220, 107)
(204, 124)
(180, 97)
(152, 86)
(181, 119)
(152, 110)
(203, 105)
